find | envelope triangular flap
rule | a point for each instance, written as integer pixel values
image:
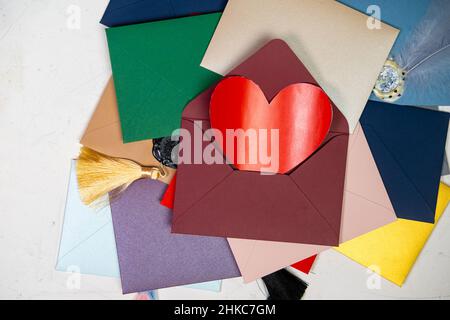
(408, 147)
(362, 177)
(87, 238)
(330, 161)
(198, 109)
(95, 254)
(366, 204)
(125, 12)
(208, 175)
(408, 201)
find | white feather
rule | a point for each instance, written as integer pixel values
(426, 59)
(430, 40)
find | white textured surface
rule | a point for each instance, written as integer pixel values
(51, 77)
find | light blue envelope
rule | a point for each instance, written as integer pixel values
(209, 286)
(87, 240)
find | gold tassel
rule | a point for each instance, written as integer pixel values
(99, 174)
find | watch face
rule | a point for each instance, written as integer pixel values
(162, 150)
(390, 83)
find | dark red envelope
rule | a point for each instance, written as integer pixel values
(302, 206)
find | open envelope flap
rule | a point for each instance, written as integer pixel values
(412, 178)
(198, 109)
(272, 68)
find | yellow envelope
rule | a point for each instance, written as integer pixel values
(392, 250)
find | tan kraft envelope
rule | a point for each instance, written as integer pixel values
(103, 134)
(333, 41)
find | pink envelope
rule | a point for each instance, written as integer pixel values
(366, 207)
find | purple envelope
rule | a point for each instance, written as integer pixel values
(150, 256)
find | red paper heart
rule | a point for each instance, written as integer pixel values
(301, 112)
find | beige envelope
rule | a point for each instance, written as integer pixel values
(103, 134)
(366, 207)
(334, 42)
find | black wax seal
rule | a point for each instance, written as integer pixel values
(162, 150)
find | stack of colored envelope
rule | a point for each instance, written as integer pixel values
(344, 170)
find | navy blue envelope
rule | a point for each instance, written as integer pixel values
(126, 12)
(408, 146)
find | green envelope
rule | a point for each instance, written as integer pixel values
(156, 71)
